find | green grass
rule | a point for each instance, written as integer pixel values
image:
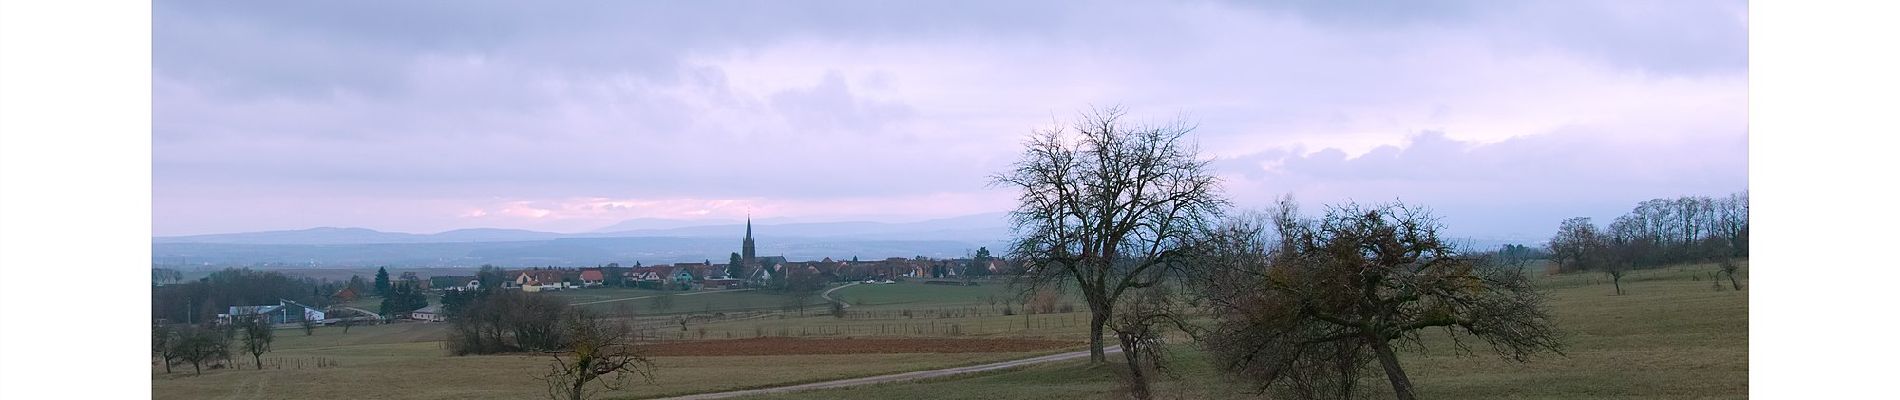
(1670, 337)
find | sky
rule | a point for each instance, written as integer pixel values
(1504, 117)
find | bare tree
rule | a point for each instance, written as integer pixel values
(1141, 328)
(1730, 267)
(1106, 206)
(1576, 238)
(257, 338)
(345, 318)
(163, 339)
(199, 346)
(597, 348)
(309, 327)
(1309, 312)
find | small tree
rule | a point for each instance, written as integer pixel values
(596, 348)
(257, 338)
(309, 327)
(1140, 328)
(163, 339)
(1616, 270)
(735, 266)
(345, 318)
(1729, 267)
(199, 346)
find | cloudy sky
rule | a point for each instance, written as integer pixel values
(417, 117)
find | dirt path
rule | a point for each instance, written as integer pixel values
(896, 377)
(827, 294)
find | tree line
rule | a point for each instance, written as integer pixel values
(202, 300)
(1656, 232)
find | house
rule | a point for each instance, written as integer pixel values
(592, 277)
(346, 295)
(536, 280)
(431, 314)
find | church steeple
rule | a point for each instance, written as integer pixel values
(747, 253)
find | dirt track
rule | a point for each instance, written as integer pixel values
(907, 376)
(790, 346)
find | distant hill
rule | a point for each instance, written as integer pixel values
(347, 247)
(555, 252)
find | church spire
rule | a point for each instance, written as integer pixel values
(747, 252)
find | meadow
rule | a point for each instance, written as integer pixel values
(1671, 336)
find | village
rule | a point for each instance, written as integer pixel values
(747, 271)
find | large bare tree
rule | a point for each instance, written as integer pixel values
(1106, 206)
(600, 350)
(1308, 311)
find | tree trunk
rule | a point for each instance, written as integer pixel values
(197, 369)
(1401, 386)
(1098, 318)
(1732, 282)
(1618, 281)
(258, 359)
(1137, 383)
(574, 393)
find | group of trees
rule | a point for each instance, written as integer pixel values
(204, 345)
(590, 351)
(1132, 218)
(1656, 232)
(488, 321)
(402, 299)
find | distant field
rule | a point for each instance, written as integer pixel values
(1671, 337)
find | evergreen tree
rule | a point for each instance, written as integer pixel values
(736, 266)
(382, 281)
(402, 299)
(980, 264)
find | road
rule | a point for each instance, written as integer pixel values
(827, 294)
(869, 380)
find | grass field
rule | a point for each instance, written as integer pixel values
(1672, 336)
(407, 361)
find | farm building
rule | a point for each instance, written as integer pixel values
(431, 313)
(285, 312)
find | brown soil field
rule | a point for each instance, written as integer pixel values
(791, 346)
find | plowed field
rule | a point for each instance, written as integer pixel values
(767, 346)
